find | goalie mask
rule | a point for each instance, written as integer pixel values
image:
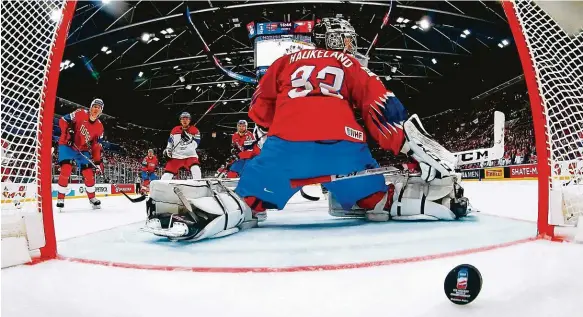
(335, 34)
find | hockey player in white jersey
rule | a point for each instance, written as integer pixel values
(181, 149)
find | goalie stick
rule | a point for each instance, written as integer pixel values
(134, 200)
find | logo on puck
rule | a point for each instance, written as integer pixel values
(463, 284)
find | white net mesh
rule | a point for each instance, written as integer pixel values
(28, 33)
(556, 51)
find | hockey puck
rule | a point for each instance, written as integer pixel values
(463, 284)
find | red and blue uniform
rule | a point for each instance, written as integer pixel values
(149, 165)
(80, 139)
(246, 148)
(308, 101)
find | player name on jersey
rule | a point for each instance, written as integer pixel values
(306, 54)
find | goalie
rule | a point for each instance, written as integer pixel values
(318, 90)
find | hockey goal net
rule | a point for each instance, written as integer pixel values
(549, 38)
(33, 38)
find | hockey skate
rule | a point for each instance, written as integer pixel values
(95, 203)
(60, 204)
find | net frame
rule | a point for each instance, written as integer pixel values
(46, 101)
(541, 104)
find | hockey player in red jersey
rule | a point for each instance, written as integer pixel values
(149, 165)
(307, 102)
(81, 134)
(243, 147)
(181, 149)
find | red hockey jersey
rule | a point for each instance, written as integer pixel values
(312, 95)
(245, 144)
(149, 164)
(87, 135)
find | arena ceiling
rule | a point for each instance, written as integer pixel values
(149, 79)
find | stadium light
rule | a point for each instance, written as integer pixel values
(463, 35)
(145, 37)
(424, 24)
(400, 20)
(104, 49)
(434, 61)
(399, 56)
(71, 65)
(105, 1)
(164, 32)
(169, 30)
(175, 67)
(140, 74)
(108, 52)
(393, 69)
(181, 79)
(467, 32)
(414, 26)
(156, 39)
(56, 15)
(189, 87)
(500, 45)
(505, 42)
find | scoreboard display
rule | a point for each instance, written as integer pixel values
(275, 39)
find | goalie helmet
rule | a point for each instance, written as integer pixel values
(335, 34)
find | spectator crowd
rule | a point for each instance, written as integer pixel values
(467, 127)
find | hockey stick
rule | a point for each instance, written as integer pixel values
(333, 178)
(482, 155)
(134, 200)
(385, 21)
(213, 58)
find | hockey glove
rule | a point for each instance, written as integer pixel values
(434, 160)
(260, 134)
(100, 167)
(167, 152)
(70, 136)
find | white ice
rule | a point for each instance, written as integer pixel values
(538, 278)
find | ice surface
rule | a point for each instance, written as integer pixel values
(539, 278)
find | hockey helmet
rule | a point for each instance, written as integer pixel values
(184, 115)
(244, 122)
(98, 102)
(335, 34)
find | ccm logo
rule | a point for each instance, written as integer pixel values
(465, 157)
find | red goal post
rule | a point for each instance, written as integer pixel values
(549, 39)
(33, 34)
